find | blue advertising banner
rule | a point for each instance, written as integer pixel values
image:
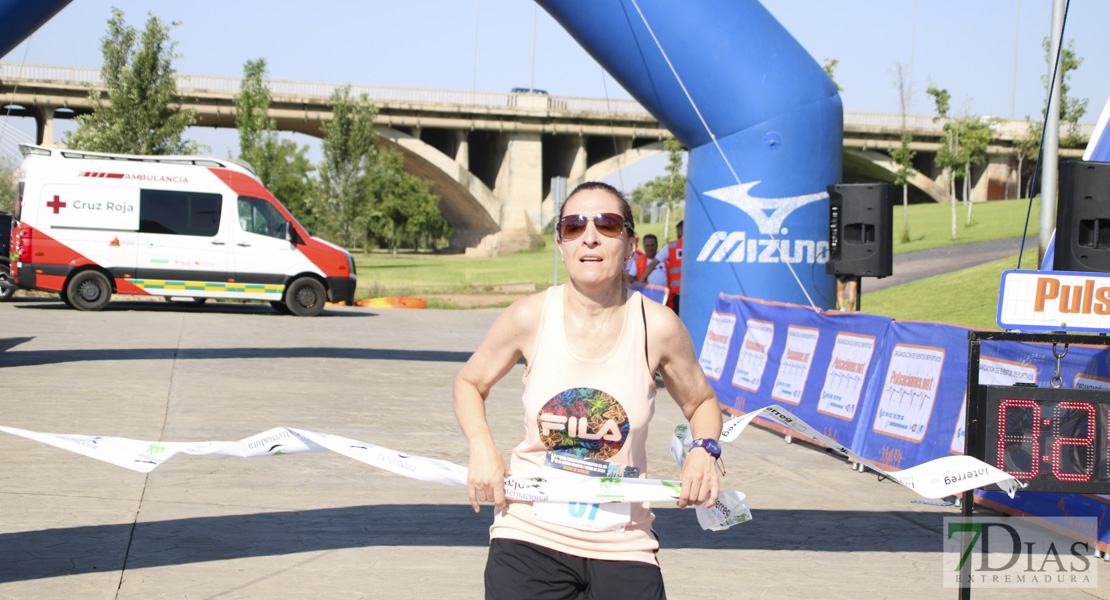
(922, 376)
(815, 364)
(893, 392)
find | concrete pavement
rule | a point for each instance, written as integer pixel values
(324, 526)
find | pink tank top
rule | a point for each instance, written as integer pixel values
(609, 403)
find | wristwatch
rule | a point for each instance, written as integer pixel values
(710, 445)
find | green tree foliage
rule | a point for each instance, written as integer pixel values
(948, 157)
(1071, 109)
(8, 168)
(405, 208)
(669, 188)
(830, 65)
(903, 157)
(142, 115)
(282, 165)
(349, 165)
(1026, 148)
(975, 135)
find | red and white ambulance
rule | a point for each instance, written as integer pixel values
(88, 225)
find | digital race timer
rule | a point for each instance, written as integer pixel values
(1055, 440)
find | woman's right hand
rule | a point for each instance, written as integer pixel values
(485, 478)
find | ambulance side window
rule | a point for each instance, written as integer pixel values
(179, 213)
(259, 216)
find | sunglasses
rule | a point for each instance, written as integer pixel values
(571, 227)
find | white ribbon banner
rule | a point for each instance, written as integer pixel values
(145, 456)
(938, 478)
(935, 479)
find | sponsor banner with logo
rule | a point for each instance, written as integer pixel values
(820, 363)
(922, 376)
(894, 392)
(1054, 301)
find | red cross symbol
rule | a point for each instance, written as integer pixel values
(56, 204)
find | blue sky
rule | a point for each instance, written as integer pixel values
(965, 46)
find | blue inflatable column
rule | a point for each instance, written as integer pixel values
(765, 105)
(21, 18)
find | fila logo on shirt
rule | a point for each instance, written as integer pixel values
(583, 421)
(579, 427)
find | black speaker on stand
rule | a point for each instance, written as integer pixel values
(1083, 217)
(861, 241)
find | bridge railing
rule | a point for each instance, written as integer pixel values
(219, 84)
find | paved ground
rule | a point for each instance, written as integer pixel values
(323, 526)
(912, 266)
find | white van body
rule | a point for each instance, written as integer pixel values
(89, 224)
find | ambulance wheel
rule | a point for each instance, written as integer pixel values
(5, 292)
(280, 307)
(305, 297)
(89, 290)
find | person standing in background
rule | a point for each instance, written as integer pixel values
(656, 276)
(672, 258)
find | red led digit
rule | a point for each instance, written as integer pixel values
(1033, 438)
(1084, 442)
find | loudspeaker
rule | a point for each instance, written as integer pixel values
(1083, 217)
(861, 243)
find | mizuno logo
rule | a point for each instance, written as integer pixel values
(768, 213)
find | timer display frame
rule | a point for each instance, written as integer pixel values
(1053, 440)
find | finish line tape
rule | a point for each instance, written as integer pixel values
(934, 479)
(938, 478)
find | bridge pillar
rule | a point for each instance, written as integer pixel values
(998, 181)
(462, 150)
(520, 186)
(44, 124)
(579, 165)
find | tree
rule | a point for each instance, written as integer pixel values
(668, 189)
(142, 115)
(350, 161)
(8, 169)
(281, 165)
(902, 155)
(830, 65)
(405, 206)
(1071, 109)
(948, 156)
(975, 135)
(1025, 147)
(251, 106)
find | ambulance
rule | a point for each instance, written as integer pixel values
(189, 228)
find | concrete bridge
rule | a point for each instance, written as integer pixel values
(491, 155)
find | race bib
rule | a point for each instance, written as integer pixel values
(600, 516)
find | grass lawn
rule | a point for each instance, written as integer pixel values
(380, 274)
(968, 298)
(931, 224)
(930, 227)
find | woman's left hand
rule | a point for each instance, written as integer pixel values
(699, 479)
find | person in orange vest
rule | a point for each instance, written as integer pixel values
(672, 259)
(657, 276)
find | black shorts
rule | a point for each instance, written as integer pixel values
(522, 571)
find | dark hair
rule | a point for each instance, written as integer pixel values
(650, 236)
(626, 209)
